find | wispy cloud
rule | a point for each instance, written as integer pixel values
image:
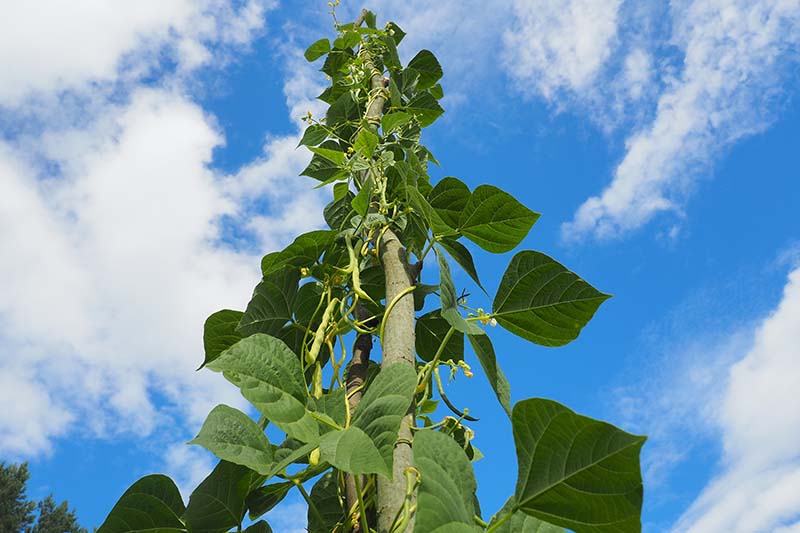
(555, 46)
(758, 488)
(112, 232)
(735, 58)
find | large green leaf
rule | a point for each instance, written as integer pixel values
(270, 308)
(317, 50)
(430, 331)
(265, 498)
(232, 436)
(519, 522)
(218, 503)
(352, 451)
(495, 220)
(540, 300)
(383, 405)
(327, 510)
(339, 212)
(323, 168)
(220, 333)
(449, 197)
(366, 446)
(425, 108)
(447, 491)
(574, 471)
(152, 504)
(304, 251)
(269, 375)
(483, 348)
(394, 121)
(428, 68)
(447, 293)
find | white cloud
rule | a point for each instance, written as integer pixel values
(758, 488)
(50, 45)
(556, 46)
(735, 54)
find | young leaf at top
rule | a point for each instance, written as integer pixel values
(317, 50)
(334, 156)
(232, 436)
(447, 492)
(270, 377)
(540, 300)
(483, 348)
(217, 504)
(576, 472)
(153, 503)
(428, 68)
(495, 220)
(219, 333)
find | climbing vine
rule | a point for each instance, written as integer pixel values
(370, 438)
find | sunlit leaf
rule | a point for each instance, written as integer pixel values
(576, 472)
(152, 504)
(540, 300)
(220, 333)
(232, 436)
(317, 50)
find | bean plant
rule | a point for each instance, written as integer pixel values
(377, 446)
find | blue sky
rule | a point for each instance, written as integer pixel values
(147, 159)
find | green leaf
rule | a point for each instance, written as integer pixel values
(352, 451)
(462, 256)
(361, 201)
(383, 406)
(232, 436)
(495, 220)
(332, 405)
(520, 522)
(152, 504)
(428, 67)
(219, 333)
(322, 168)
(449, 198)
(338, 212)
(437, 91)
(334, 156)
(366, 142)
(314, 134)
(304, 251)
(576, 472)
(446, 494)
(270, 308)
(317, 50)
(307, 301)
(430, 330)
(366, 446)
(265, 498)
(540, 300)
(425, 108)
(344, 109)
(259, 527)
(270, 377)
(327, 510)
(335, 62)
(395, 31)
(217, 504)
(483, 348)
(447, 294)
(394, 121)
